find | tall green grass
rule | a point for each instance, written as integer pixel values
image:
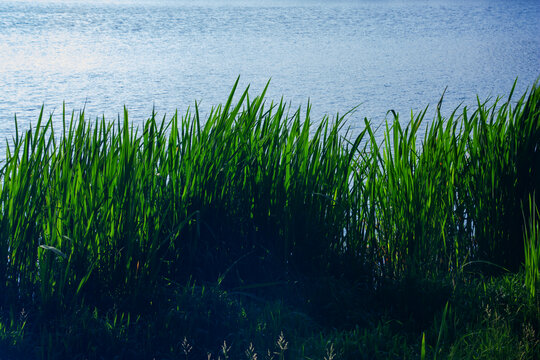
(532, 246)
(105, 213)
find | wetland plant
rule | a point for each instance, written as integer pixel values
(105, 215)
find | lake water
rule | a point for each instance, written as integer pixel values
(381, 54)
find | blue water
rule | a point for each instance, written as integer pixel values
(381, 54)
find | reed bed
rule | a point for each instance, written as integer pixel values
(108, 215)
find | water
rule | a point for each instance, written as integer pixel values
(381, 54)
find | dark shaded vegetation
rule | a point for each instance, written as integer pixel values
(255, 233)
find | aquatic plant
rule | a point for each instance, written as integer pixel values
(108, 215)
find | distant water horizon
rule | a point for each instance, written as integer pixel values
(165, 55)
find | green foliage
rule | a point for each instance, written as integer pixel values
(532, 247)
(101, 215)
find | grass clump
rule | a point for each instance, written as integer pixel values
(255, 232)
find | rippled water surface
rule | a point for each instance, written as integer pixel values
(166, 54)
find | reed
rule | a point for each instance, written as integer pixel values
(107, 214)
(532, 246)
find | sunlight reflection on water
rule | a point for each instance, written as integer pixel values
(381, 54)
